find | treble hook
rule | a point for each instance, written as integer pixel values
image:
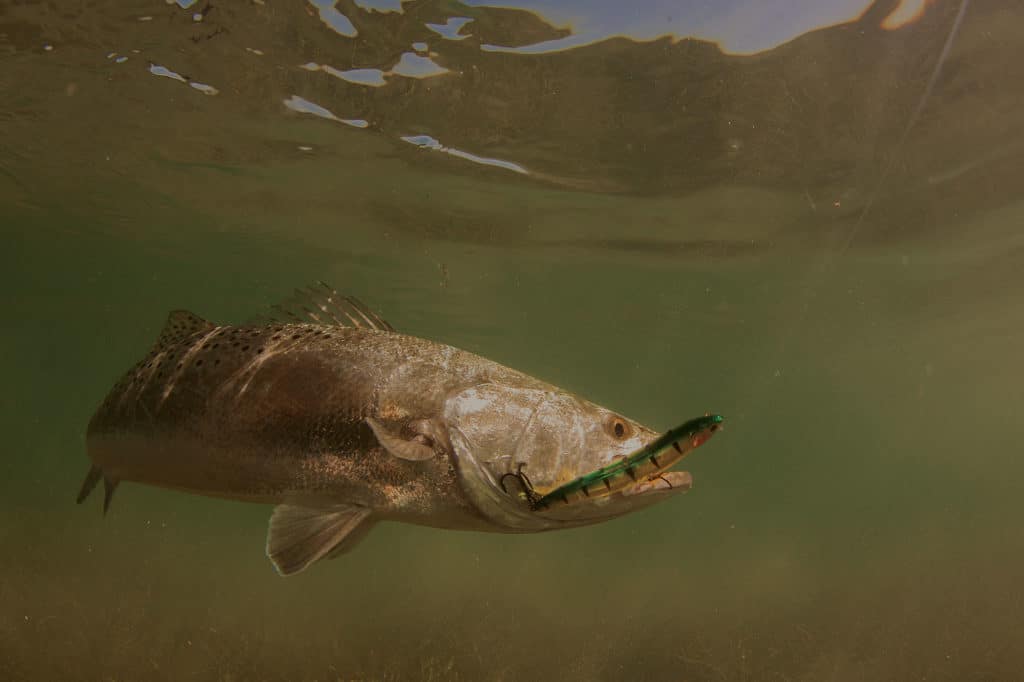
(531, 495)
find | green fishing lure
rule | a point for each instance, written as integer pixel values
(644, 462)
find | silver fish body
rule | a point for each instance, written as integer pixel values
(342, 422)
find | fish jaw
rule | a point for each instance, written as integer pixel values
(657, 455)
(534, 459)
(669, 482)
(640, 495)
(636, 482)
(510, 505)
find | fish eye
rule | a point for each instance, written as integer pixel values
(618, 427)
(424, 439)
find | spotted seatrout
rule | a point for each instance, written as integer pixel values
(338, 420)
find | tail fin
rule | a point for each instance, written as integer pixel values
(91, 479)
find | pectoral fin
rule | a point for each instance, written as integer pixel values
(300, 536)
(402, 448)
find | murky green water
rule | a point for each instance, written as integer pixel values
(813, 229)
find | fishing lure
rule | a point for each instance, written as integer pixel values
(648, 462)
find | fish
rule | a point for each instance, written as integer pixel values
(325, 411)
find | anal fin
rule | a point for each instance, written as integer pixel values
(354, 537)
(300, 536)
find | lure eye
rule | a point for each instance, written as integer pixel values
(618, 428)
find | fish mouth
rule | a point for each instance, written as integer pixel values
(674, 481)
(644, 472)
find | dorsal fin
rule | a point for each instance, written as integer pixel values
(180, 325)
(321, 304)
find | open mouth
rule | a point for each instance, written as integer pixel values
(645, 471)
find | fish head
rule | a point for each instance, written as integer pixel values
(513, 444)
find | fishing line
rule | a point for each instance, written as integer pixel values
(831, 254)
(943, 55)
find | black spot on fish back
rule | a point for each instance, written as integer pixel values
(193, 365)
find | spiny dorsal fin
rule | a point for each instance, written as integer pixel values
(180, 325)
(322, 304)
